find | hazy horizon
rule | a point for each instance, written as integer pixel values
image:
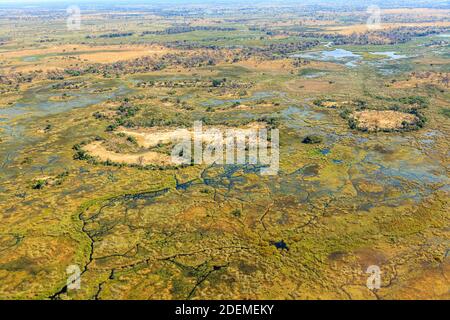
(161, 2)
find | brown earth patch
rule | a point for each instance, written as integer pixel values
(153, 137)
(96, 149)
(374, 120)
(420, 79)
(267, 65)
(362, 28)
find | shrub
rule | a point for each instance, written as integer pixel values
(40, 184)
(131, 139)
(312, 139)
(236, 213)
(81, 155)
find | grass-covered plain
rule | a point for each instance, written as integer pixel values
(351, 199)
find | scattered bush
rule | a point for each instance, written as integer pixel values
(312, 139)
(39, 184)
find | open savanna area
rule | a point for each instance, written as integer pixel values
(66, 56)
(90, 115)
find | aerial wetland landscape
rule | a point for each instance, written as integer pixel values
(95, 97)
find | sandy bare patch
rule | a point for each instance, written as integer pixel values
(329, 104)
(96, 149)
(59, 57)
(373, 120)
(90, 51)
(420, 79)
(152, 137)
(267, 65)
(362, 28)
(125, 53)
